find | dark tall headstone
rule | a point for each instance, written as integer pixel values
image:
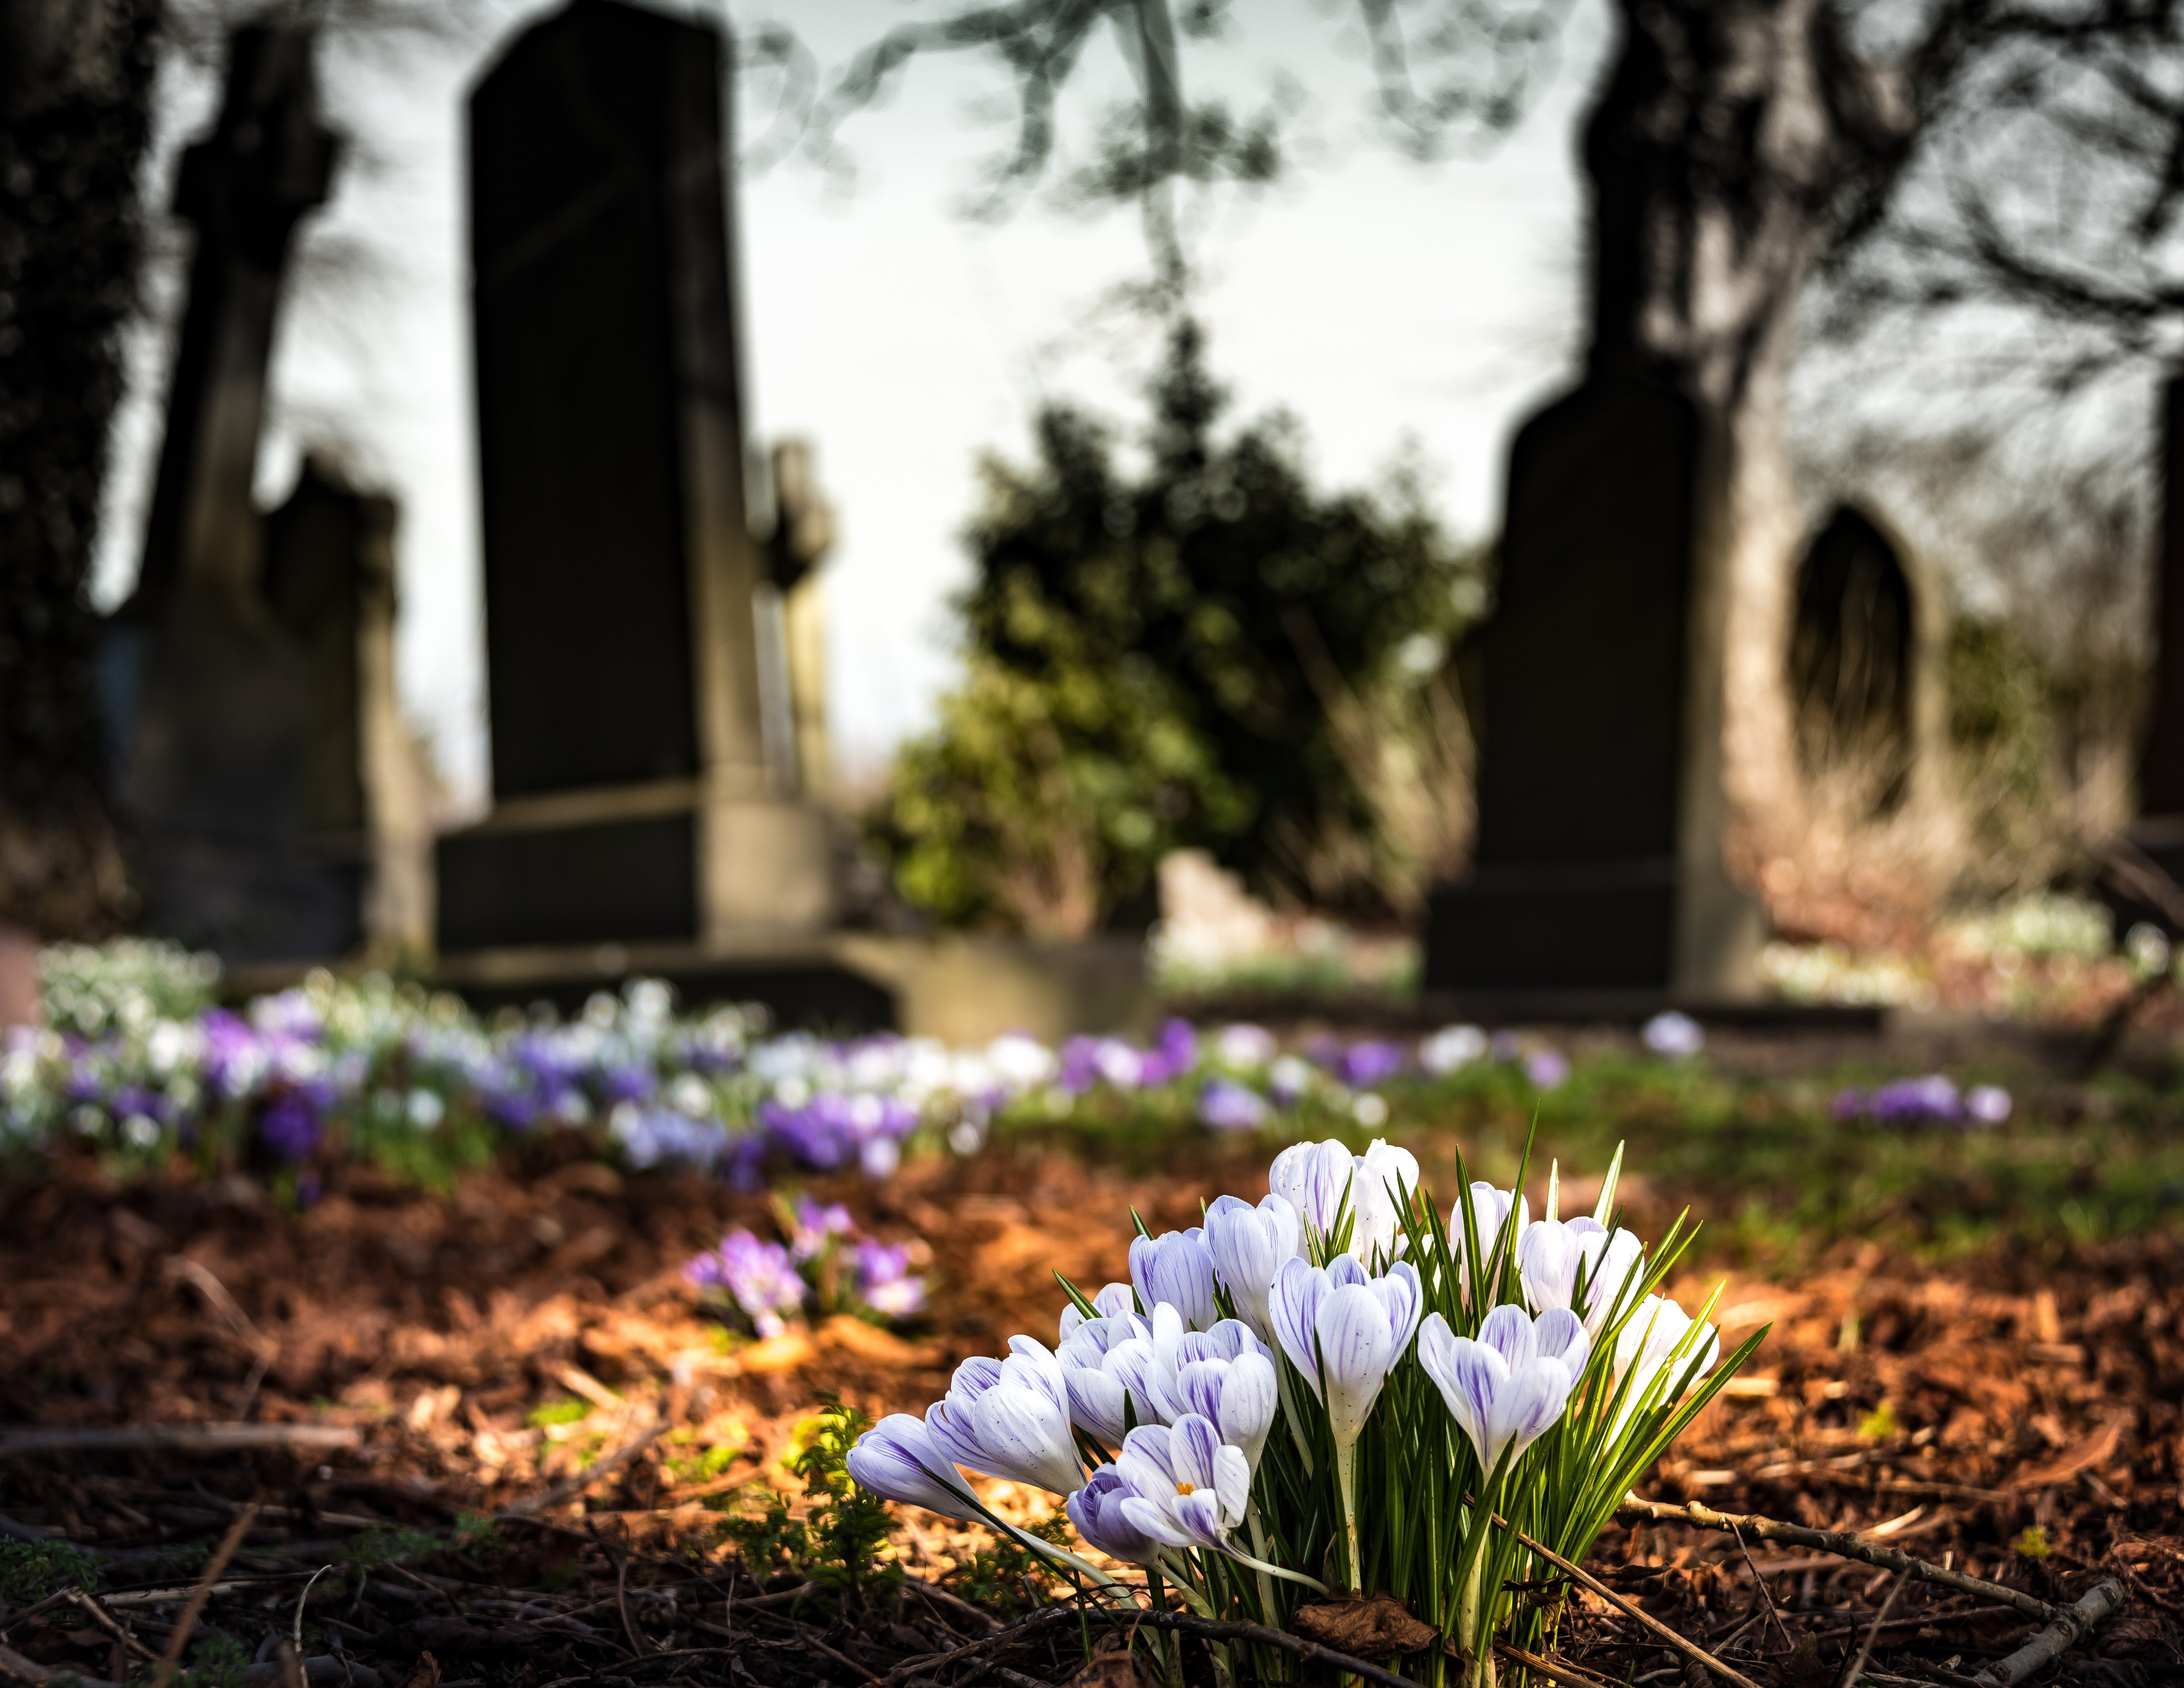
(2158, 829)
(1854, 658)
(632, 799)
(207, 688)
(1598, 864)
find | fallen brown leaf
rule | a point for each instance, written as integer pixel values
(1113, 1670)
(1368, 1629)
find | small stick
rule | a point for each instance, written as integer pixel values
(196, 1603)
(636, 1642)
(1691, 1650)
(1553, 1670)
(30, 1670)
(176, 1438)
(1843, 1545)
(89, 1606)
(2071, 1625)
(1766, 1593)
(1849, 1679)
(570, 1487)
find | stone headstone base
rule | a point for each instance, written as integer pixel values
(633, 865)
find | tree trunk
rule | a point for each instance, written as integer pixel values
(76, 79)
(1721, 153)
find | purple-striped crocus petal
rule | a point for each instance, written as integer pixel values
(1097, 1398)
(1193, 1442)
(1312, 1177)
(1032, 1363)
(1115, 1299)
(1225, 1341)
(1176, 1268)
(1293, 1310)
(1404, 1297)
(1529, 1402)
(1470, 1376)
(1023, 1435)
(1611, 1261)
(1096, 1510)
(1232, 1482)
(1239, 1395)
(1559, 1334)
(897, 1459)
(1249, 1244)
(1508, 1332)
(1547, 1263)
(1356, 1348)
(1145, 1459)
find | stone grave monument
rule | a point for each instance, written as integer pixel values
(1598, 865)
(633, 802)
(2152, 848)
(245, 678)
(1866, 649)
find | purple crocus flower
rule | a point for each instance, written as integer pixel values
(1916, 1101)
(1363, 1065)
(1226, 1105)
(814, 1227)
(291, 1127)
(881, 1273)
(1547, 1069)
(756, 1275)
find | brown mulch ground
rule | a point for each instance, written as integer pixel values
(1949, 1412)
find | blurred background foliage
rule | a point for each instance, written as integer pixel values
(1203, 651)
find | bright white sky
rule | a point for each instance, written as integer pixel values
(1379, 299)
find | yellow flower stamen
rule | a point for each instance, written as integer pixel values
(1186, 1489)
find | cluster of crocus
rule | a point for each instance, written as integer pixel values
(1931, 1100)
(827, 1266)
(139, 1063)
(1336, 1388)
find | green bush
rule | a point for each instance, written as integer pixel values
(1209, 653)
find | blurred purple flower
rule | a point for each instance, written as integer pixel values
(1226, 1105)
(882, 1271)
(291, 1127)
(1363, 1065)
(756, 1275)
(815, 1227)
(1547, 1069)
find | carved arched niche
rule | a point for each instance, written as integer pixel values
(1863, 662)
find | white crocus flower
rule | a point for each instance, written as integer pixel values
(1249, 1244)
(1313, 1177)
(1490, 1212)
(1092, 1371)
(1344, 1331)
(1116, 1300)
(898, 1458)
(1010, 1418)
(1506, 1388)
(1660, 1337)
(1184, 1487)
(1556, 1254)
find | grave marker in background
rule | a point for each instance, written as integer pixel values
(1601, 811)
(207, 689)
(633, 800)
(2158, 829)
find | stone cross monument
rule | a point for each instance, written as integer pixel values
(206, 689)
(633, 800)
